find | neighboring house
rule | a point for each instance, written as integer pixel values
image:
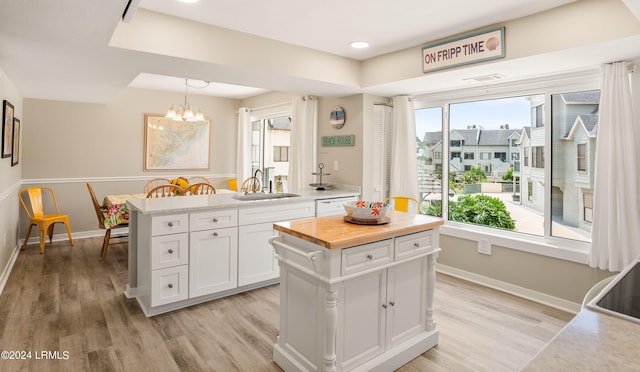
(574, 129)
(494, 150)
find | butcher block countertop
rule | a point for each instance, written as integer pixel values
(333, 232)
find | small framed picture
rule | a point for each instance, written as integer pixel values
(7, 128)
(15, 148)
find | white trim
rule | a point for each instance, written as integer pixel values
(116, 179)
(7, 269)
(541, 298)
(564, 249)
(10, 192)
(77, 235)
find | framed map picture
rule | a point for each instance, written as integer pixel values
(7, 128)
(175, 145)
(15, 148)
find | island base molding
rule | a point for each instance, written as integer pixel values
(389, 361)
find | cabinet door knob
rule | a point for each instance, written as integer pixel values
(215, 234)
(215, 220)
(416, 244)
(392, 303)
(384, 306)
(170, 285)
(170, 251)
(170, 224)
(369, 257)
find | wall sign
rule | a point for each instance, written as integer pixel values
(331, 141)
(464, 50)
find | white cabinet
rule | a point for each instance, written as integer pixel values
(213, 261)
(381, 309)
(169, 259)
(256, 258)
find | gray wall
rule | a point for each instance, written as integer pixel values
(67, 144)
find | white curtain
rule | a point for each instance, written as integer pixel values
(616, 212)
(404, 174)
(302, 159)
(243, 162)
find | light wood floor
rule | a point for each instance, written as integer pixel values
(68, 301)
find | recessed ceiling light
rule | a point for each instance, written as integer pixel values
(359, 44)
(188, 1)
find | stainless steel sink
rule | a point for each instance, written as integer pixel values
(264, 196)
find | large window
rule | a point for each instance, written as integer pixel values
(546, 194)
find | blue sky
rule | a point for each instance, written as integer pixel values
(490, 114)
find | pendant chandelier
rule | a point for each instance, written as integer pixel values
(184, 111)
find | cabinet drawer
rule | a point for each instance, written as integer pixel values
(169, 224)
(366, 256)
(414, 244)
(169, 285)
(169, 250)
(213, 219)
(276, 212)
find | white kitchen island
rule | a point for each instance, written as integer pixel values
(355, 297)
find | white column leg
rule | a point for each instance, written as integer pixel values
(431, 284)
(331, 328)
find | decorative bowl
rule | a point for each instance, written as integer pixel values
(366, 211)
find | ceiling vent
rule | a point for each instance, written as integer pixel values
(484, 78)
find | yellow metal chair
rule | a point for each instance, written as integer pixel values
(101, 212)
(37, 216)
(231, 184)
(401, 203)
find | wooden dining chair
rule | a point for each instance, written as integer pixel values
(201, 188)
(38, 216)
(101, 213)
(155, 182)
(401, 203)
(164, 191)
(198, 179)
(251, 184)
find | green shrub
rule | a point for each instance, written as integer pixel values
(481, 210)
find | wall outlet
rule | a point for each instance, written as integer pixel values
(335, 165)
(484, 247)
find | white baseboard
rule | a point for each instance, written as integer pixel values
(515, 290)
(76, 235)
(7, 269)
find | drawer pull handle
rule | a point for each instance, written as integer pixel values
(384, 306)
(170, 285)
(170, 251)
(416, 244)
(369, 257)
(170, 224)
(215, 234)
(392, 303)
(215, 220)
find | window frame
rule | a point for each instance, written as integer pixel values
(547, 245)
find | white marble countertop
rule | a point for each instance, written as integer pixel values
(592, 341)
(226, 200)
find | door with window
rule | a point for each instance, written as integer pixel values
(270, 145)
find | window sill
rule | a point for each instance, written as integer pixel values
(564, 249)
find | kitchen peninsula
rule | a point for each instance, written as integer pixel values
(186, 250)
(355, 297)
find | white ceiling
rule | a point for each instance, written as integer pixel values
(60, 49)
